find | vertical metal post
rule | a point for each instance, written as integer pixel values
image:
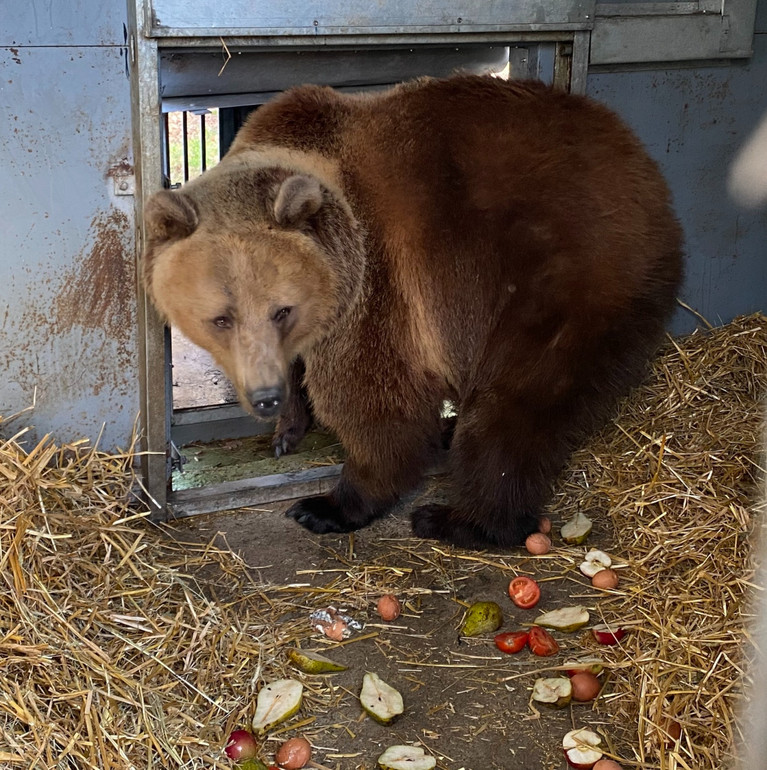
(185, 144)
(166, 146)
(579, 65)
(571, 62)
(147, 150)
(203, 142)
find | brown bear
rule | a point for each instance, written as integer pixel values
(500, 245)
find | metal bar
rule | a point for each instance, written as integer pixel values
(373, 35)
(266, 42)
(185, 145)
(563, 58)
(203, 143)
(147, 153)
(579, 66)
(166, 146)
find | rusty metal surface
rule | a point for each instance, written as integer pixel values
(68, 292)
(693, 121)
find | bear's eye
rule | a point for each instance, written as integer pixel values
(281, 314)
(223, 322)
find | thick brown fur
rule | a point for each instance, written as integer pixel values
(503, 245)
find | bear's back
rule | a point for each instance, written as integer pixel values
(484, 197)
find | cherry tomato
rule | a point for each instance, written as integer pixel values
(541, 642)
(511, 641)
(524, 592)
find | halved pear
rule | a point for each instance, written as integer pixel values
(313, 662)
(576, 530)
(380, 700)
(277, 701)
(566, 619)
(406, 758)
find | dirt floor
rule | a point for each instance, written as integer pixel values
(197, 380)
(465, 702)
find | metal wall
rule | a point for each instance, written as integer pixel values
(693, 121)
(68, 330)
(67, 279)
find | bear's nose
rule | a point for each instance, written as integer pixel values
(266, 402)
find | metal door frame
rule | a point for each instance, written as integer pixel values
(570, 69)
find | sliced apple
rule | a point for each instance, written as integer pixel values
(576, 530)
(606, 634)
(554, 692)
(594, 562)
(406, 758)
(566, 619)
(277, 701)
(581, 748)
(380, 700)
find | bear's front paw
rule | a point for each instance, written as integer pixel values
(286, 439)
(320, 515)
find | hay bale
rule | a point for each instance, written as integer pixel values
(680, 477)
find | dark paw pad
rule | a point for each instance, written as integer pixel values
(320, 515)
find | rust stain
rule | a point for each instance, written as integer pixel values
(120, 168)
(98, 292)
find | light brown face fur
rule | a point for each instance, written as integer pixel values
(225, 293)
(256, 291)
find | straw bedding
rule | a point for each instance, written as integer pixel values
(121, 649)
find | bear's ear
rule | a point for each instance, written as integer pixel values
(298, 198)
(169, 216)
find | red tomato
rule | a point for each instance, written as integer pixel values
(524, 592)
(511, 641)
(541, 642)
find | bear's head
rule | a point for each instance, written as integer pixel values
(255, 264)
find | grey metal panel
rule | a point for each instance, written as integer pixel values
(638, 33)
(693, 121)
(760, 25)
(329, 17)
(199, 73)
(61, 22)
(68, 322)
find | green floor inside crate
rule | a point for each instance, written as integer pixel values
(243, 458)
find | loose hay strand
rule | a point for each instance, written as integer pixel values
(108, 647)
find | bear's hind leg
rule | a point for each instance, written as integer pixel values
(503, 461)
